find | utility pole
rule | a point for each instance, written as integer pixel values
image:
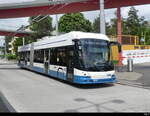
(56, 25)
(102, 17)
(23, 41)
(5, 49)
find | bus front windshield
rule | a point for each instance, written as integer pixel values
(94, 55)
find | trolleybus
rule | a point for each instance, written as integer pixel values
(78, 57)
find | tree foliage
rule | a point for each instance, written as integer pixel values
(7, 40)
(96, 25)
(110, 28)
(18, 42)
(132, 25)
(133, 22)
(136, 25)
(40, 28)
(74, 22)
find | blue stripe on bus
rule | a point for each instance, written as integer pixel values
(56, 74)
(38, 69)
(77, 79)
(85, 80)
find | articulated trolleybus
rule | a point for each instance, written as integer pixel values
(78, 57)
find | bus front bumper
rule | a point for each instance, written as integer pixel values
(88, 80)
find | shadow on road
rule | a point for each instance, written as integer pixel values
(92, 86)
(96, 106)
(10, 69)
(3, 108)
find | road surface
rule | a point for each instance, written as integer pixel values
(27, 91)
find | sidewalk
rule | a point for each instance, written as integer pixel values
(129, 78)
(135, 78)
(5, 61)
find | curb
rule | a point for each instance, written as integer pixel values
(6, 103)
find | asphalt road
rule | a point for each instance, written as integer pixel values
(144, 69)
(27, 91)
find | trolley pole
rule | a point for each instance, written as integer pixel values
(102, 17)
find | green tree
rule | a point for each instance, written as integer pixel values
(40, 27)
(137, 25)
(132, 25)
(96, 25)
(7, 40)
(74, 22)
(110, 27)
(133, 22)
(18, 42)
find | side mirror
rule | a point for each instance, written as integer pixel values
(118, 44)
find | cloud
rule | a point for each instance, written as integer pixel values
(13, 23)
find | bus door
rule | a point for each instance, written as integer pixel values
(46, 60)
(70, 65)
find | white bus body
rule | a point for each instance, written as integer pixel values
(71, 57)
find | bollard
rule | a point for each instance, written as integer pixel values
(130, 65)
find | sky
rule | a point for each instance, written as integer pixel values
(15, 23)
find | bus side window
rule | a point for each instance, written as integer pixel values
(39, 56)
(61, 56)
(53, 58)
(46, 55)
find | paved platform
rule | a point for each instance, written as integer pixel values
(5, 61)
(27, 91)
(139, 77)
